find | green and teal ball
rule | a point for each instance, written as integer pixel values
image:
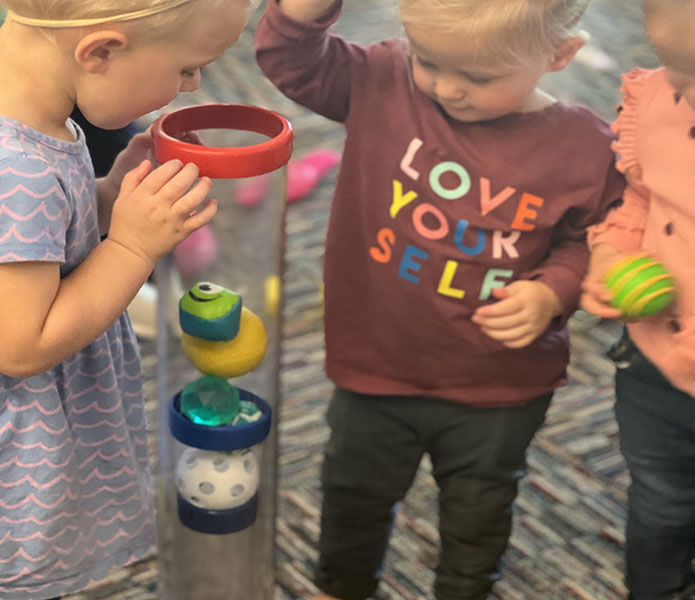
(641, 286)
(210, 312)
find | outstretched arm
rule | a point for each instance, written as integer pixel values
(304, 60)
(45, 319)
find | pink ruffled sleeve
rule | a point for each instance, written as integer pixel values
(624, 226)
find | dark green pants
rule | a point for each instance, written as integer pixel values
(376, 443)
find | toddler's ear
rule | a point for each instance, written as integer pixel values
(565, 52)
(95, 49)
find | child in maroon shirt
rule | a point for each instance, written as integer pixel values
(455, 252)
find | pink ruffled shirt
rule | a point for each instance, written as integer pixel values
(656, 151)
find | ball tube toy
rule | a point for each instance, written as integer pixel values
(218, 389)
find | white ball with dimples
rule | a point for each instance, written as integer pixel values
(217, 480)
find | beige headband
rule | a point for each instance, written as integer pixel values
(58, 24)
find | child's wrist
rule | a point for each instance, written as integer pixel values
(148, 263)
(555, 304)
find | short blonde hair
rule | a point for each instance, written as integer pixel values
(514, 30)
(154, 27)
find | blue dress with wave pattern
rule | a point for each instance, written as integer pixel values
(76, 496)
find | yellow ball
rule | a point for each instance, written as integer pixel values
(230, 358)
(273, 294)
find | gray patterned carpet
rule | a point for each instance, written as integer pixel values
(568, 528)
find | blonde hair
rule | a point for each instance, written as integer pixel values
(162, 18)
(511, 30)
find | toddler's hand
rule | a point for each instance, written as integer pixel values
(190, 137)
(139, 148)
(596, 298)
(156, 209)
(524, 311)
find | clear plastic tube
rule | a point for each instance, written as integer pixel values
(245, 150)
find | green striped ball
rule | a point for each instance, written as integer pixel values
(641, 286)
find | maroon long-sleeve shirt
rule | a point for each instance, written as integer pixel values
(430, 214)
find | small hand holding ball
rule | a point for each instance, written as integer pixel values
(641, 286)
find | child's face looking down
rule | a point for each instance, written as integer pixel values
(671, 28)
(470, 88)
(144, 76)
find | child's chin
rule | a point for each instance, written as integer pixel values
(110, 124)
(472, 115)
(466, 115)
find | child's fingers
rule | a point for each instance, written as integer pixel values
(597, 306)
(501, 308)
(143, 139)
(133, 178)
(521, 341)
(512, 338)
(190, 137)
(189, 202)
(202, 216)
(160, 176)
(501, 293)
(497, 323)
(180, 184)
(596, 289)
(602, 294)
(595, 285)
(144, 143)
(605, 312)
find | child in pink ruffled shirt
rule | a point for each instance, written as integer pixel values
(655, 379)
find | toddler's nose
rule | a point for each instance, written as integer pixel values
(449, 88)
